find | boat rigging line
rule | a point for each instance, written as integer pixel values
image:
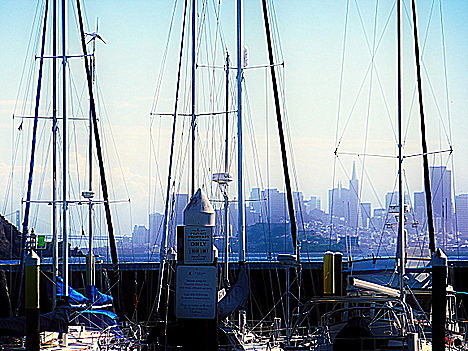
(393, 156)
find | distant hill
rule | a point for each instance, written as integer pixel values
(275, 238)
(10, 240)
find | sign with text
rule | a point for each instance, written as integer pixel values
(198, 245)
(196, 294)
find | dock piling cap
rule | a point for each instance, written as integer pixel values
(199, 210)
(439, 259)
(32, 259)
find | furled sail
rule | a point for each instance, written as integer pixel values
(236, 296)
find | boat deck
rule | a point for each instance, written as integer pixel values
(78, 338)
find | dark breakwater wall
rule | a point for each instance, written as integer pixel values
(138, 286)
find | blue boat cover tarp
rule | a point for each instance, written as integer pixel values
(99, 298)
(55, 321)
(236, 296)
(75, 296)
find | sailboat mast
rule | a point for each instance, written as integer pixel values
(193, 124)
(240, 180)
(55, 248)
(91, 275)
(439, 259)
(226, 118)
(164, 238)
(64, 148)
(226, 169)
(25, 229)
(287, 179)
(401, 225)
(427, 185)
(102, 173)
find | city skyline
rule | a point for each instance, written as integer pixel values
(269, 205)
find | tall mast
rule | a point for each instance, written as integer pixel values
(401, 216)
(427, 185)
(240, 185)
(91, 270)
(287, 178)
(25, 229)
(164, 239)
(64, 149)
(226, 119)
(439, 259)
(226, 170)
(105, 192)
(193, 124)
(55, 248)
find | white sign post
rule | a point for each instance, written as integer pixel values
(196, 294)
(198, 245)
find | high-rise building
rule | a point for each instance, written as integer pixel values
(299, 208)
(338, 199)
(344, 203)
(155, 228)
(393, 198)
(140, 235)
(313, 203)
(366, 214)
(176, 217)
(256, 201)
(441, 193)
(461, 208)
(275, 205)
(353, 217)
(420, 212)
(270, 205)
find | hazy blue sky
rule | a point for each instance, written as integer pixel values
(311, 35)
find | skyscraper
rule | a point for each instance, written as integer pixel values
(256, 201)
(420, 212)
(313, 203)
(392, 199)
(139, 235)
(461, 207)
(365, 214)
(274, 208)
(176, 217)
(344, 203)
(441, 192)
(353, 200)
(338, 199)
(155, 228)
